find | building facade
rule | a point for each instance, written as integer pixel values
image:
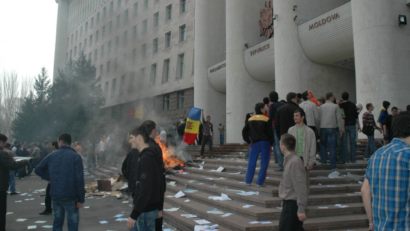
(358, 46)
(142, 50)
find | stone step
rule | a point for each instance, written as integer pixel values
(260, 213)
(183, 223)
(237, 222)
(361, 164)
(313, 172)
(275, 180)
(334, 197)
(233, 222)
(203, 185)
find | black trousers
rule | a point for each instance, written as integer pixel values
(158, 224)
(289, 220)
(209, 140)
(3, 210)
(48, 199)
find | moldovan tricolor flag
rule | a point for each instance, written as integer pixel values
(192, 125)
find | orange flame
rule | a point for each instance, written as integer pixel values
(170, 161)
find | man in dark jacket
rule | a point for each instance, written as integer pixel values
(21, 151)
(64, 169)
(7, 163)
(350, 120)
(148, 182)
(284, 120)
(133, 154)
(259, 128)
(275, 105)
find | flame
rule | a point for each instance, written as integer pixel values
(170, 161)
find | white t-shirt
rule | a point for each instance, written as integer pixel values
(101, 146)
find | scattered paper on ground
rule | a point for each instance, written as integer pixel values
(248, 193)
(227, 215)
(236, 173)
(124, 202)
(223, 197)
(201, 167)
(186, 200)
(188, 215)
(119, 215)
(21, 219)
(279, 207)
(32, 227)
(179, 194)
(9, 213)
(215, 212)
(254, 222)
(40, 222)
(18, 201)
(202, 222)
(47, 226)
(265, 222)
(121, 219)
(86, 207)
(103, 222)
(334, 174)
(172, 183)
(206, 228)
(190, 190)
(171, 210)
(247, 206)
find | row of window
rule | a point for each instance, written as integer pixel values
(168, 16)
(131, 81)
(155, 42)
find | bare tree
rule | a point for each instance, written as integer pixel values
(13, 89)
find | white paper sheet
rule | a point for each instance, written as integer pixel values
(21, 219)
(40, 222)
(32, 227)
(254, 222)
(215, 212)
(47, 226)
(334, 174)
(179, 194)
(188, 215)
(247, 206)
(236, 173)
(265, 222)
(223, 197)
(248, 193)
(121, 219)
(202, 222)
(103, 222)
(227, 215)
(171, 210)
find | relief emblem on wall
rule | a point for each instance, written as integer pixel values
(266, 21)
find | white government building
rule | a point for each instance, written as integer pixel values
(209, 53)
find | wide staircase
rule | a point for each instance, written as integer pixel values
(334, 203)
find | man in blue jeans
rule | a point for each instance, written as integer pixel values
(146, 168)
(64, 169)
(329, 117)
(259, 128)
(274, 97)
(351, 119)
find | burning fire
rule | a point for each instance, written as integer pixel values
(170, 160)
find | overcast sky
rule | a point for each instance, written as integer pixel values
(27, 36)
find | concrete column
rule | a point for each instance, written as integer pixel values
(209, 50)
(61, 36)
(242, 91)
(382, 53)
(288, 52)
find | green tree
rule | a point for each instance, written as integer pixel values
(23, 125)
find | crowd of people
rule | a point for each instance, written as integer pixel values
(296, 129)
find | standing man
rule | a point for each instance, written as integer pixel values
(284, 119)
(181, 130)
(101, 157)
(35, 157)
(148, 191)
(305, 143)
(64, 169)
(7, 163)
(221, 134)
(47, 200)
(12, 181)
(292, 187)
(386, 187)
(387, 124)
(274, 97)
(383, 113)
(208, 135)
(351, 120)
(329, 117)
(128, 171)
(90, 155)
(259, 129)
(312, 113)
